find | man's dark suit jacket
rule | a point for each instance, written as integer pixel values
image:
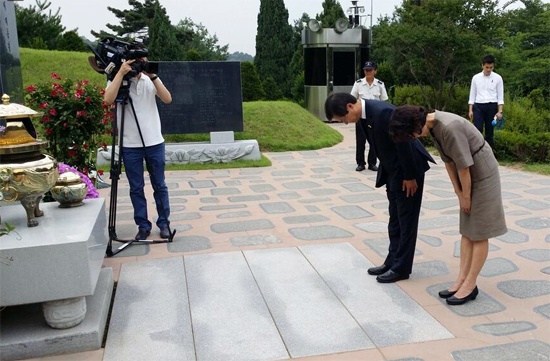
(398, 161)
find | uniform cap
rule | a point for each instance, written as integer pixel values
(369, 65)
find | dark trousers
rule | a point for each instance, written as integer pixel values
(484, 113)
(364, 134)
(154, 158)
(403, 228)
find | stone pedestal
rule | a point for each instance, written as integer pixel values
(53, 273)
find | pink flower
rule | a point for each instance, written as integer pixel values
(31, 88)
(81, 113)
(53, 112)
(43, 105)
(55, 76)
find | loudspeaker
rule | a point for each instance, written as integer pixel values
(314, 25)
(341, 25)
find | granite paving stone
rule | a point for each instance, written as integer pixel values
(532, 204)
(254, 240)
(222, 207)
(351, 212)
(315, 233)
(300, 185)
(184, 216)
(289, 195)
(188, 244)
(312, 218)
(430, 269)
(543, 310)
(484, 304)
(534, 223)
(239, 199)
(308, 315)
(525, 288)
(537, 255)
(323, 192)
(241, 226)
(262, 188)
(224, 191)
(230, 319)
(277, 207)
(432, 241)
(531, 350)
(202, 184)
(513, 236)
(234, 215)
(497, 267)
(505, 328)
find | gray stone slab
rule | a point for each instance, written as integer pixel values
(492, 248)
(246, 199)
(539, 191)
(534, 223)
(363, 198)
(314, 200)
(309, 317)
(432, 241)
(543, 310)
(221, 208)
(533, 205)
(262, 188)
(184, 193)
(430, 269)
(287, 173)
(242, 226)
(188, 244)
(150, 318)
(357, 187)
(211, 200)
(301, 185)
(351, 212)
(232, 183)
(531, 350)
(385, 312)
(537, 255)
(373, 227)
(224, 191)
(322, 169)
(184, 216)
(24, 333)
(289, 195)
(505, 328)
(343, 180)
(509, 195)
(438, 205)
(442, 194)
(513, 236)
(313, 218)
(437, 222)
(525, 289)
(202, 184)
(234, 215)
(230, 319)
(323, 192)
(277, 207)
(482, 305)
(315, 233)
(312, 208)
(254, 240)
(497, 267)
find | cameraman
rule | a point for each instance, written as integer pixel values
(143, 143)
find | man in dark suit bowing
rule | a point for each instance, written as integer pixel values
(402, 167)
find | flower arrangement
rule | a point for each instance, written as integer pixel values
(74, 116)
(92, 191)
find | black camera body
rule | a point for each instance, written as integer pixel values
(111, 53)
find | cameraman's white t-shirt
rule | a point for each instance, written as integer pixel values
(143, 96)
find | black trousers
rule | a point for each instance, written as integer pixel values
(403, 228)
(484, 113)
(364, 134)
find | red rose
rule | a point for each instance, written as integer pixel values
(53, 112)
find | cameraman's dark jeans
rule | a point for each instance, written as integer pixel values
(133, 164)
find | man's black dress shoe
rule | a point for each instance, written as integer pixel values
(375, 271)
(142, 234)
(390, 277)
(374, 168)
(360, 168)
(164, 232)
(453, 301)
(446, 293)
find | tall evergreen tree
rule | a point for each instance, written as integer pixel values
(163, 44)
(274, 46)
(37, 28)
(332, 11)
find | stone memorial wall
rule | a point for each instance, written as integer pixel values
(11, 81)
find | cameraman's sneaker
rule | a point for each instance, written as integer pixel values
(142, 234)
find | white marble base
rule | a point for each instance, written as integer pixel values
(60, 258)
(24, 334)
(199, 152)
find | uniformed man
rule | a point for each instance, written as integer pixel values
(367, 88)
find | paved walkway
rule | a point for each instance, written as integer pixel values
(270, 263)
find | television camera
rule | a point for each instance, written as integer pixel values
(111, 53)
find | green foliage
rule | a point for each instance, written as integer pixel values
(132, 20)
(251, 84)
(70, 41)
(433, 43)
(163, 44)
(529, 148)
(521, 116)
(274, 47)
(272, 90)
(74, 115)
(457, 101)
(332, 11)
(36, 28)
(201, 41)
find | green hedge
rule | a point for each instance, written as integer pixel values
(528, 148)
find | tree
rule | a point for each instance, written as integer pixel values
(70, 41)
(201, 41)
(332, 11)
(163, 44)
(438, 44)
(36, 28)
(274, 47)
(251, 84)
(131, 21)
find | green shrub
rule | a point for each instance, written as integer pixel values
(527, 148)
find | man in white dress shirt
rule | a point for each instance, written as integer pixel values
(486, 98)
(367, 88)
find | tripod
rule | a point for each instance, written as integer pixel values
(124, 98)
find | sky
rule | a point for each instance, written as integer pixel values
(234, 22)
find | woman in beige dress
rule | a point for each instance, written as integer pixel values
(473, 170)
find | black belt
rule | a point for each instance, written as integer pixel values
(480, 148)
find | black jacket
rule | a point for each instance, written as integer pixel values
(398, 161)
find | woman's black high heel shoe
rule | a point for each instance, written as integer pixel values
(460, 301)
(446, 293)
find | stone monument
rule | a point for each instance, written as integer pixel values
(11, 81)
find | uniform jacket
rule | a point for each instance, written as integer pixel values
(398, 161)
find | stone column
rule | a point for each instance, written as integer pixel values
(11, 80)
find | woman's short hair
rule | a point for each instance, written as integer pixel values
(407, 120)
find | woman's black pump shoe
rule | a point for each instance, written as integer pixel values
(446, 293)
(460, 301)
